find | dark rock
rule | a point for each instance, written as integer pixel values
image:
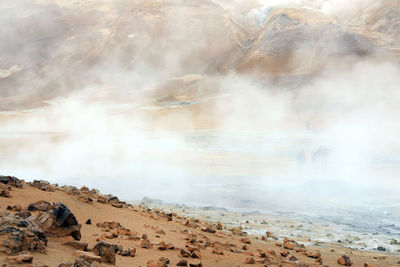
(89, 221)
(59, 222)
(381, 249)
(182, 262)
(113, 199)
(169, 216)
(20, 235)
(15, 207)
(195, 264)
(293, 258)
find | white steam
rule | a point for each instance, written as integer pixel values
(157, 120)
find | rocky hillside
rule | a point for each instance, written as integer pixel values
(49, 225)
(52, 48)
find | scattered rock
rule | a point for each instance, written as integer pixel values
(106, 251)
(292, 258)
(164, 261)
(195, 254)
(117, 205)
(40, 205)
(102, 199)
(153, 263)
(196, 264)
(344, 260)
(89, 221)
(182, 262)
(20, 259)
(43, 185)
(314, 254)
(23, 214)
(185, 253)
(237, 231)
(110, 225)
(80, 245)
(80, 262)
(284, 253)
(15, 207)
(4, 190)
(160, 232)
(165, 246)
(84, 189)
(113, 199)
(288, 245)
(69, 264)
(87, 256)
(246, 240)
(71, 190)
(145, 243)
(218, 251)
(208, 229)
(11, 181)
(130, 252)
(86, 199)
(124, 231)
(250, 260)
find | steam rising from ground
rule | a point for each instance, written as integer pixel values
(242, 141)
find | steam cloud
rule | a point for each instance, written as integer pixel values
(111, 122)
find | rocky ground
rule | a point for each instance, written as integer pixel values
(50, 225)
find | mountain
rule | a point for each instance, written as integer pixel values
(53, 48)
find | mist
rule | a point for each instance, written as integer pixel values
(167, 104)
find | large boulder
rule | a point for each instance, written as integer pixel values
(59, 221)
(18, 234)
